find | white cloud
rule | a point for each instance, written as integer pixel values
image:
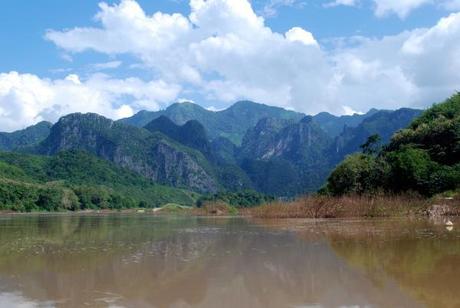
(271, 8)
(341, 2)
(106, 65)
(224, 51)
(26, 99)
(402, 8)
(297, 34)
(224, 39)
(399, 7)
(349, 111)
(184, 100)
(214, 109)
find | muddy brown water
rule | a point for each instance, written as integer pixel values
(147, 261)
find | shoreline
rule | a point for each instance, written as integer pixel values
(310, 207)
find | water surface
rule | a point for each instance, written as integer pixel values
(147, 261)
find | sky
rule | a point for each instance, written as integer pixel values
(118, 57)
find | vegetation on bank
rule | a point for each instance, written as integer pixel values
(423, 158)
(242, 199)
(78, 181)
(354, 206)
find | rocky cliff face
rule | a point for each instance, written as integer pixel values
(298, 142)
(295, 153)
(149, 154)
(262, 141)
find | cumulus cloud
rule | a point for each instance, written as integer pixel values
(297, 34)
(222, 48)
(26, 99)
(227, 52)
(224, 51)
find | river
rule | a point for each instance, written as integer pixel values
(140, 260)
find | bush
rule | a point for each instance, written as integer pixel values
(357, 174)
(49, 199)
(413, 169)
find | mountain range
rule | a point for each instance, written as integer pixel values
(231, 123)
(247, 146)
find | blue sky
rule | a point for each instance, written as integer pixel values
(25, 23)
(310, 56)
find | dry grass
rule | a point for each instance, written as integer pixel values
(341, 207)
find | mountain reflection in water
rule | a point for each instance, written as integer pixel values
(146, 261)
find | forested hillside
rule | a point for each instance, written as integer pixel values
(26, 137)
(151, 155)
(77, 181)
(424, 157)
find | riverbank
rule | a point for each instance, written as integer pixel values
(310, 207)
(358, 206)
(322, 207)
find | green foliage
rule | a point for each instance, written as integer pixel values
(10, 171)
(437, 131)
(424, 158)
(372, 145)
(276, 176)
(49, 199)
(233, 177)
(384, 123)
(77, 181)
(243, 199)
(412, 169)
(357, 174)
(17, 196)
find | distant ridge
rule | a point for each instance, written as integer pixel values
(231, 123)
(25, 137)
(191, 134)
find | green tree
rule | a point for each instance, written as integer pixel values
(373, 145)
(49, 199)
(357, 174)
